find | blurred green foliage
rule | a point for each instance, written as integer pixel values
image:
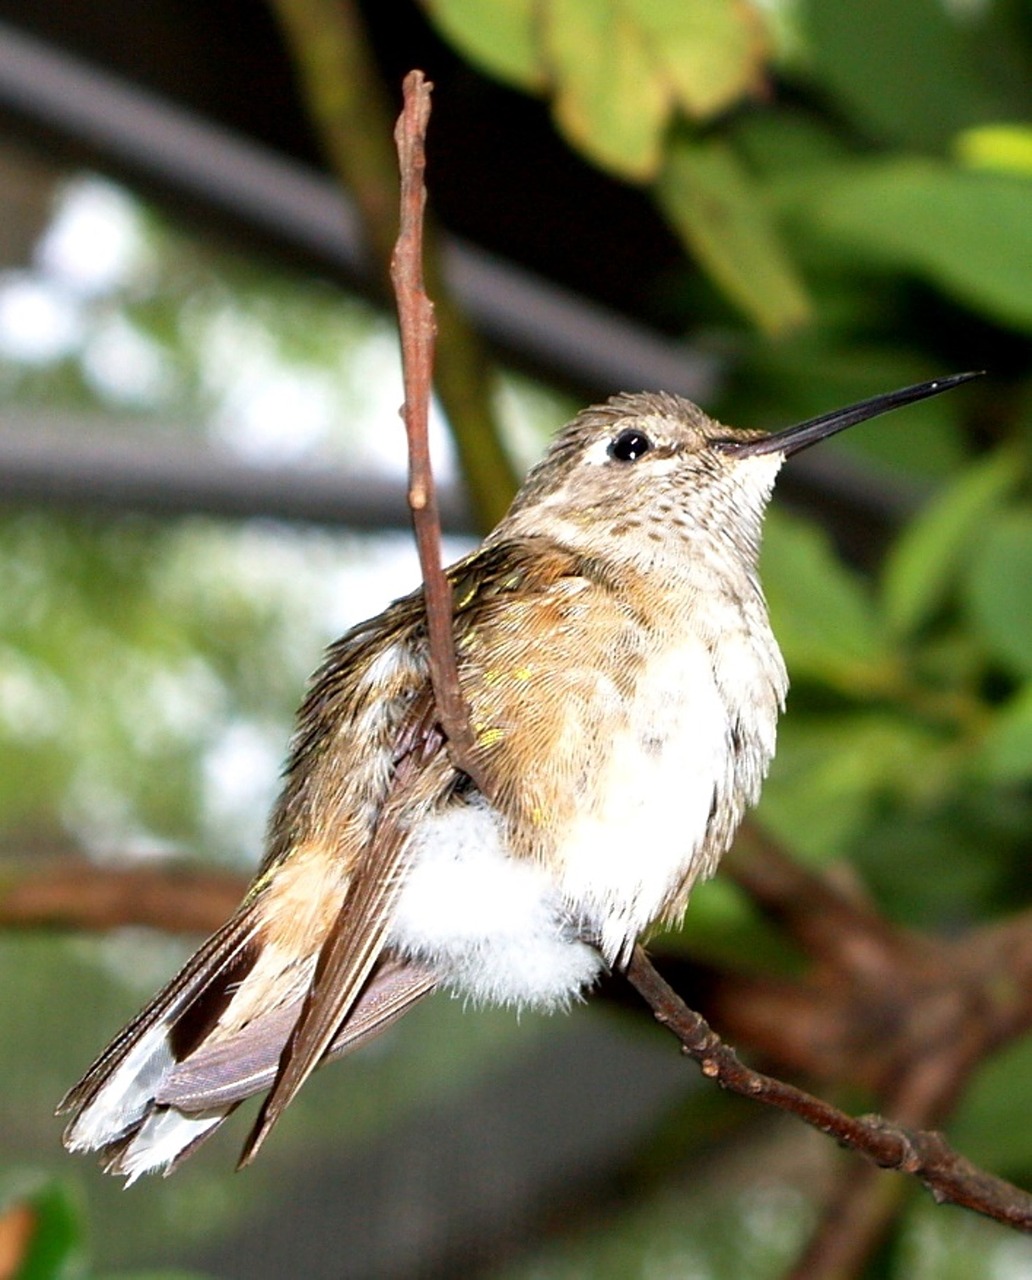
(865, 222)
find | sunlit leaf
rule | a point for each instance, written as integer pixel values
(1006, 147)
(711, 51)
(610, 98)
(932, 550)
(615, 68)
(710, 201)
(498, 35)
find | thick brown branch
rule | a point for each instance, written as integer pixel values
(79, 895)
(416, 320)
(926, 1155)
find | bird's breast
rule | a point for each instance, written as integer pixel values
(622, 771)
(659, 785)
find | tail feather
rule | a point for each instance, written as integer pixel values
(113, 1107)
(165, 1084)
(163, 1139)
(150, 1027)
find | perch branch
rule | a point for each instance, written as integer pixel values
(74, 894)
(925, 1154)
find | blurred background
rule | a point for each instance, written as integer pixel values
(775, 207)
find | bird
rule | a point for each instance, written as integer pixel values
(623, 686)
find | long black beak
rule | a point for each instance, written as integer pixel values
(793, 439)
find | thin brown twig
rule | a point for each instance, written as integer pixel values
(416, 322)
(925, 1154)
(351, 113)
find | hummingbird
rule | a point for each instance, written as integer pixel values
(623, 684)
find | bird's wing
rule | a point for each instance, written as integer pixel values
(298, 973)
(226, 1071)
(319, 906)
(355, 941)
(422, 775)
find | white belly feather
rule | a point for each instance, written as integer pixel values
(626, 856)
(493, 926)
(502, 929)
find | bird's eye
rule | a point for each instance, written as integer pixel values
(629, 446)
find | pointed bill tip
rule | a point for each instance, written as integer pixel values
(795, 439)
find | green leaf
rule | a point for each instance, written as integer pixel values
(619, 67)
(711, 51)
(968, 233)
(822, 615)
(931, 854)
(903, 71)
(610, 99)
(1005, 147)
(985, 1127)
(710, 201)
(830, 774)
(783, 142)
(998, 589)
(498, 35)
(926, 559)
(1006, 751)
